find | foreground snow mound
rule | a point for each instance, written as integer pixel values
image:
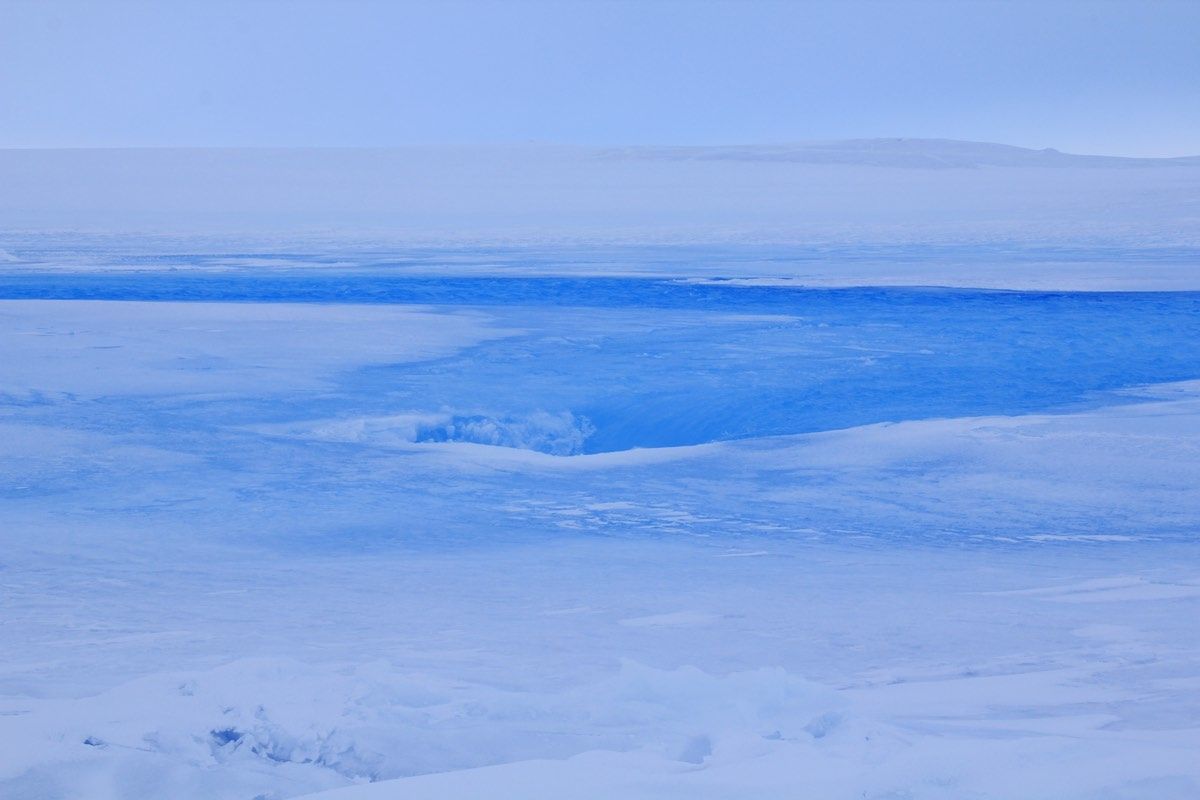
(251, 727)
(776, 776)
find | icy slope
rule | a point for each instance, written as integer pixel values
(234, 567)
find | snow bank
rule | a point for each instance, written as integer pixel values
(254, 726)
(279, 728)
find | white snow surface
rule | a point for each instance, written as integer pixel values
(233, 568)
(886, 190)
(84, 347)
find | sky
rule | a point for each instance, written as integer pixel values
(1119, 78)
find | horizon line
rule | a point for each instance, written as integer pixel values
(534, 144)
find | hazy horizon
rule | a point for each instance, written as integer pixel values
(482, 145)
(864, 191)
(1087, 77)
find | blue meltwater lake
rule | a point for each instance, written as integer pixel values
(603, 364)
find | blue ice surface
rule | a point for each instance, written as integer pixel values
(651, 362)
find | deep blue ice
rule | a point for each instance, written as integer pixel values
(619, 363)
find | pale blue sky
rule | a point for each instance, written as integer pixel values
(1120, 78)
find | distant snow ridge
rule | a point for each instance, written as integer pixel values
(897, 152)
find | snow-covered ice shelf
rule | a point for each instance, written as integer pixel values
(542, 536)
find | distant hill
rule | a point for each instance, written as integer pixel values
(911, 153)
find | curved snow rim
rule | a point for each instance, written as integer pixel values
(545, 438)
(559, 433)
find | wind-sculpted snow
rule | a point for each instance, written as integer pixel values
(390, 535)
(237, 730)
